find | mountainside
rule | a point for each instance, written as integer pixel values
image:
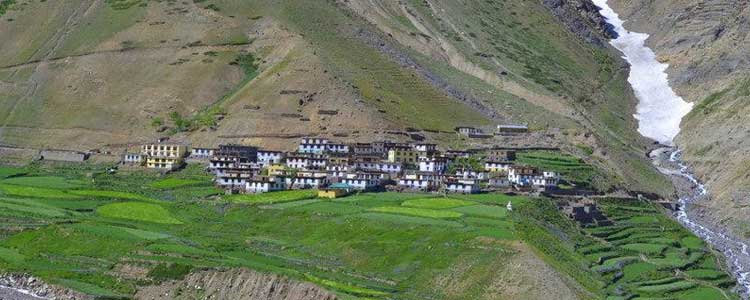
(104, 74)
(705, 43)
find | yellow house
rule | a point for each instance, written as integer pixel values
(334, 191)
(165, 163)
(163, 156)
(164, 150)
(403, 155)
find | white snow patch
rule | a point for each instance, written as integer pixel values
(659, 109)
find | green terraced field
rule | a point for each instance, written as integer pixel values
(644, 250)
(44, 182)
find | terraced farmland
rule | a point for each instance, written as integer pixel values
(645, 255)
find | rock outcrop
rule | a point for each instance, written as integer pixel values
(236, 284)
(582, 17)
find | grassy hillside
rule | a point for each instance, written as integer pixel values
(116, 72)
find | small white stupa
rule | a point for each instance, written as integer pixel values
(509, 206)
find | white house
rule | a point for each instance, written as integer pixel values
(297, 162)
(266, 157)
(132, 158)
(466, 173)
(337, 148)
(416, 184)
(233, 179)
(546, 180)
(264, 185)
(312, 148)
(425, 147)
(321, 145)
(337, 171)
(388, 167)
(432, 165)
(462, 187)
(468, 130)
(306, 162)
(307, 182)
(361, 184)
(201, 153)
(522, 176)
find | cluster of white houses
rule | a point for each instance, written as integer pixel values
(319, 163)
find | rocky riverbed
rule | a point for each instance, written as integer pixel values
(26, 287)
(7, 293)
(691, 214)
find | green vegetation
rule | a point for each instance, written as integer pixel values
(418, 212)
(248, 63)
(9, 171)
(703, 293)
(707, 105)
(708, 274)
(110, 194)
(668, 287)
(171, 183)
(5, 5)
(138, 211)
(274, 197)
(436, 203)
(164, 271)
(44, 182)
(124, 4)
(471, 163)
(645, 248)
(36, 192)
(488, 211)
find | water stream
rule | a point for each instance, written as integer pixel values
(659, 113)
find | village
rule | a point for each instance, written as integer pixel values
(337, 169)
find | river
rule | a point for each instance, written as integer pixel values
(659, 113)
